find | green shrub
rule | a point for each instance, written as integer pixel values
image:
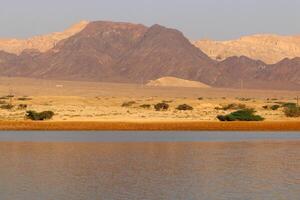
(145, 106)
(7, 106)
(128, 104)
(275, 107)
(241, 115)
(184, 107)
(292, 111)
(289, 105)
(39, 116)
(161, 106)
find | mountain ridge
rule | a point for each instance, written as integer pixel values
(133, 53)
(270, 48)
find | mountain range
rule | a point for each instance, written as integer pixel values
(133, 53)
(268, 48)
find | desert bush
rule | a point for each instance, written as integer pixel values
(24, 99)
(167, 101)
(292, 111)
(145, 106)
(39, 116)
(275, 107)
(128, 103)
(22, 106)
(184, 107)
(7, 106)
(161, 106)
(241, 115)
(3, 98)
(266, 107)
(200, 98)
(289, 105)
(244, 99)
(3, 102)
(271, 107)
(232, 106)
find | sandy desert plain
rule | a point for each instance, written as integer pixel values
(94, 106)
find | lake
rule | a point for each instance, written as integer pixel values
(149, 165)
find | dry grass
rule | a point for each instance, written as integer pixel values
(88, 101)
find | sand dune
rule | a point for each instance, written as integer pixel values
(176, 82)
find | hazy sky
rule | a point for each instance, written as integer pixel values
(215, 19)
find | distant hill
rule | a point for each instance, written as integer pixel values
(265, 47)
(176, 82)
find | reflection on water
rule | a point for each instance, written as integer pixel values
(212, 170)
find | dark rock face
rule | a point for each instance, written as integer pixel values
(165, 52)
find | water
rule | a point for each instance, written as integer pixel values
(149, 165)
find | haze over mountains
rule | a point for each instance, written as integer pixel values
(265, 47)
(134, 53)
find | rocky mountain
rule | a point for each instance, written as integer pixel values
(134, 53)
(266, 47)
(122, 52)
(41, 43)
(90, 54)
(285, 73)
(165, 52)
(243, 72)
(235, 71)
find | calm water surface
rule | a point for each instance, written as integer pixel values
(92, 166)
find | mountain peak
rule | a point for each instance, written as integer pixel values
(41, 43)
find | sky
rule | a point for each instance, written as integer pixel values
(197, 19)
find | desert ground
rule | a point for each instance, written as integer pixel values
(91, 101)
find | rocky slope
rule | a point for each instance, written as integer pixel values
(41, 43)
(165, 52)
(90, 54)
(268, 48)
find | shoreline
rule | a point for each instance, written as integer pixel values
(149, 126)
